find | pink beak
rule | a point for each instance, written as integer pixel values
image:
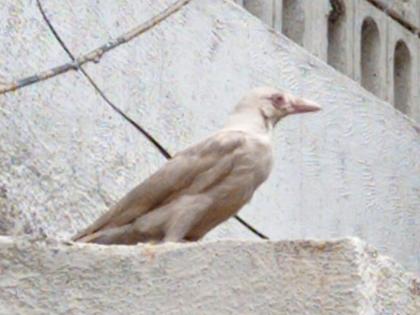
(302, 105)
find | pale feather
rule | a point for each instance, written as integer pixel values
(192, 170)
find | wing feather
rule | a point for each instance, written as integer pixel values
(198, 166)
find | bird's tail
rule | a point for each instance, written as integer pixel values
(90, 238)
(108, 236)
(118, 235)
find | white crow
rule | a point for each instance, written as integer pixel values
(205, 184)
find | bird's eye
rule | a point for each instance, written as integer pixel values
(278, 101)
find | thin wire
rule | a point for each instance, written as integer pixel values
(94, 55)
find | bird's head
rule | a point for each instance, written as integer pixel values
(274, 104)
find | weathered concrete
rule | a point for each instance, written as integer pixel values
(27, 46)
(99, 21)
(224, 277)
(65, 157)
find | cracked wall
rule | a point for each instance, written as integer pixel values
(66, 154)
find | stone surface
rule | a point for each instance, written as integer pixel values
(27, 46)
(225, 277)
(66, 156)
(97, 22)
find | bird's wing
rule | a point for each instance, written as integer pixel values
(211, 158)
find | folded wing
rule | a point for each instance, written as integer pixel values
(190, 171)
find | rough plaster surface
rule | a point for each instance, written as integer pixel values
(27, 46)
(353, 169)
(64, 155)
(97, 22)
(222, 277)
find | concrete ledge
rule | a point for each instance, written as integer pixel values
(223, 277)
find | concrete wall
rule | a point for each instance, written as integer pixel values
(66, 155)
(334, 30)
(226, 277)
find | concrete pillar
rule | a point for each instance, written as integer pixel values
(371, 55)
(269, 11)
(316, 27)
(340, 36)
(278, 11)
(402, 65)
(294, 20)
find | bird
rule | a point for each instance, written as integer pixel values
(204, 184)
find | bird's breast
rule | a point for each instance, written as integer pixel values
(256, 159)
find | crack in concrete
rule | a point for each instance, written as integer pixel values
(96, 54)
